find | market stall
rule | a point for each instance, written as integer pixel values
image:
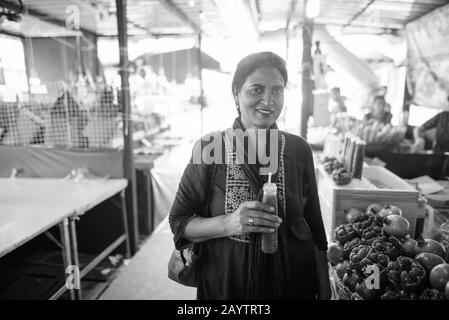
(30, 207)
(82, 148)
(383, 243)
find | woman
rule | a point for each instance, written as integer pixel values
(232, 265)
(440, 123)
(380, 111)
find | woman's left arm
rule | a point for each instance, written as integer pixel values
(312, 215)
(324, 286)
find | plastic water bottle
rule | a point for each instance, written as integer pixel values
(270, 240)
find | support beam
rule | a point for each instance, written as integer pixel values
(290, 14)
(307, 64)
(125, 101)
(358, 14)
(169, 5)
(200, 77)
(346, 60)
(38, 14)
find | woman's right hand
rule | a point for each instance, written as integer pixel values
(251, 216)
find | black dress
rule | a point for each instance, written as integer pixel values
(224, 261)
(441, 123)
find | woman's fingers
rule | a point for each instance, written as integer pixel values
(251, 229)
(263, 215)
(257, 219)
(257, 205)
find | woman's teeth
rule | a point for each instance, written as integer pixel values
(266, 112)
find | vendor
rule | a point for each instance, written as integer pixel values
(380, 111)
(336, 101)
(441, 124)
(336, 105)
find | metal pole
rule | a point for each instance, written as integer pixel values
(75, 259)
(66, 250)
(200, 77)
(125, 223)
(125, 99)
(307, 83)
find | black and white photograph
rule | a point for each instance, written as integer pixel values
(249, 152)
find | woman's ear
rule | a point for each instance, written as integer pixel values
(236, 100)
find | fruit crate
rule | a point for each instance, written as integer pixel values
(377, 185)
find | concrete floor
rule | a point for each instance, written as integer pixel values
(145, 278)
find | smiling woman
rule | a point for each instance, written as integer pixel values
(258, 89)
(219, 208)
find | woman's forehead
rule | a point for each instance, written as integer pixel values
(265, 75)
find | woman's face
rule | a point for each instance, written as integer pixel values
(261, 98)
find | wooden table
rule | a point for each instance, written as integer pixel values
(29, 207)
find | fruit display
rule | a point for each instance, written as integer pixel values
(341, 176)
(396, 226)
(336, 170)
(330, 164)
(406, 274)
(376, 133)
(352, 213)
(374, 258)
(345, 233)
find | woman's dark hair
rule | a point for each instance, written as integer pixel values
(250, 63)
(379, 98)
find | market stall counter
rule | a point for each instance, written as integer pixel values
(409, 165)
(377, 185)
(29, 207)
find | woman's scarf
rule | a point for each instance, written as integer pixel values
(267, 273)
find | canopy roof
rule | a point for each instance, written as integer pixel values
(161, 18)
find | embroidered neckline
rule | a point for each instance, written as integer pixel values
(238, 189)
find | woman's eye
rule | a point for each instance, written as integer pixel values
(278, 91)
(256, 90)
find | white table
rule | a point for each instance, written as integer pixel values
(29, 207)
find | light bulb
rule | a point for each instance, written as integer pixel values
(35, 81)
(313, 8)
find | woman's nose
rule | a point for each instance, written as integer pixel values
(268, 98)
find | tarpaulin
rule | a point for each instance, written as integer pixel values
(38, 162)
(428, 59)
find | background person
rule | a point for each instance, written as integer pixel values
(380, 111)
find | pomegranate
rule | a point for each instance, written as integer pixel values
(428, 260)
(352, 213)
(445, 243)
(431, 246)
(388, 210)
(410, 247)
(368, 293)
(396, 226)
(351, 278)
(374, 208)
(335, 253)
(341, 268)
(439, 276)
